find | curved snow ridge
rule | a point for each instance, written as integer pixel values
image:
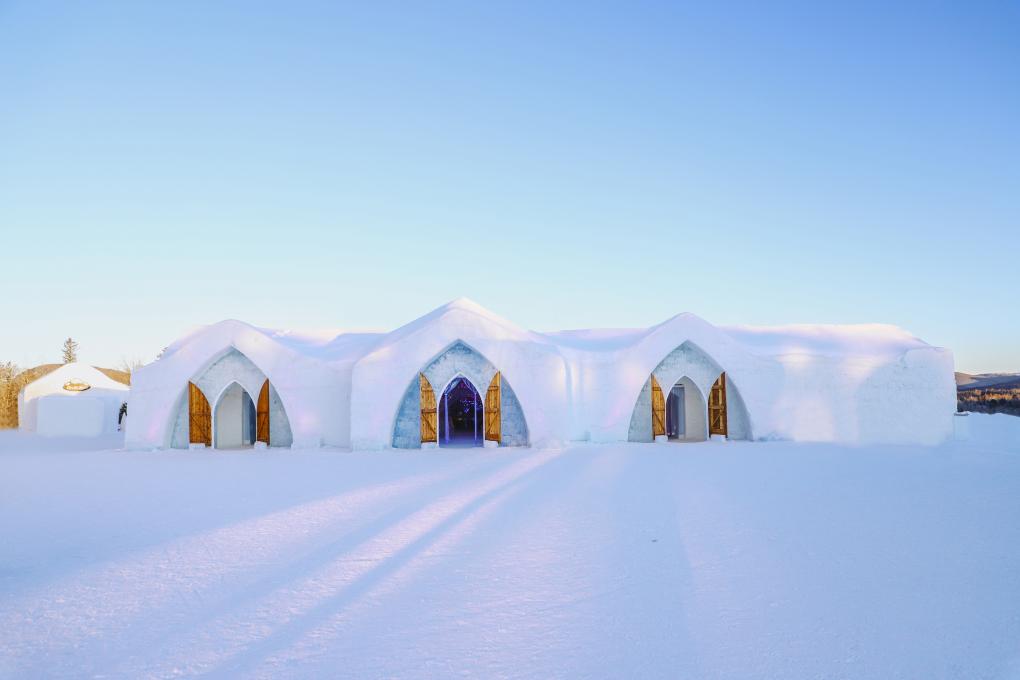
(832, 340)
(461, 316)
(328, 345)
(341, 345)
(596, 339)
(877, 340)
(202, 346)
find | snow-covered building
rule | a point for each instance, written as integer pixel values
(74, 400)
(463, 376)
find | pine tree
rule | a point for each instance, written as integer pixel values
(70, 351)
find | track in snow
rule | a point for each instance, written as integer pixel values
(713, 560)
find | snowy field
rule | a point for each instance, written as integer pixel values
(768, 560)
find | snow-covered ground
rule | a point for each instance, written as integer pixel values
(764, 560)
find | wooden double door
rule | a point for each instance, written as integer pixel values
(665, 414)
(492, 411)
(200, 416)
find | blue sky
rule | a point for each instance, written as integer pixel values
(564, 164)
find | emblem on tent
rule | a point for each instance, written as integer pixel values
(76, 386)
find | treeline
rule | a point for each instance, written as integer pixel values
(9, 394)
(12, 379)
(991, 400)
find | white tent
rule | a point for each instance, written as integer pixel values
(685, 379)
(75, 400)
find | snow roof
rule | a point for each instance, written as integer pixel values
(463, 315)
(879, 340)
(866, 339)
(329, 345)
(54, 381)
(345, 347)
(324, 344)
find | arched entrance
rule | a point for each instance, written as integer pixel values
(421, 418)
(231, 383)
(688, 397)
(685, 410)
(460, 415)
(234, 419)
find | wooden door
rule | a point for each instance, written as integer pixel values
(717, 407)
(429, 413)
(493, 417)
(658, 410)
(262, 415)
(199, 416)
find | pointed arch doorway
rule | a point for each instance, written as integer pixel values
(461, 422)
(230, 404)
(684, 412)
(234, 419)
(445, 406)
(689, 397)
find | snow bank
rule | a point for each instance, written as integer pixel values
(993, 430)
(857, 383)
(738, 560)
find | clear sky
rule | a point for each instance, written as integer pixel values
(309, 165)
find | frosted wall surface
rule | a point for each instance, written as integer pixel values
(853, 383)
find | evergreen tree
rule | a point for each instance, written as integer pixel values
(70, 351)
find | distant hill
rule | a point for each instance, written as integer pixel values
(115, 374)
(9, 390)
(964, 379)
(967, 381)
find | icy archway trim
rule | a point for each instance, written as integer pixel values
(505, 422)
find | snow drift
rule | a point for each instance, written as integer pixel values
(743, 560)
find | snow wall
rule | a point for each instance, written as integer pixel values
(47, 408)
(307, 395)
(848, 384)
